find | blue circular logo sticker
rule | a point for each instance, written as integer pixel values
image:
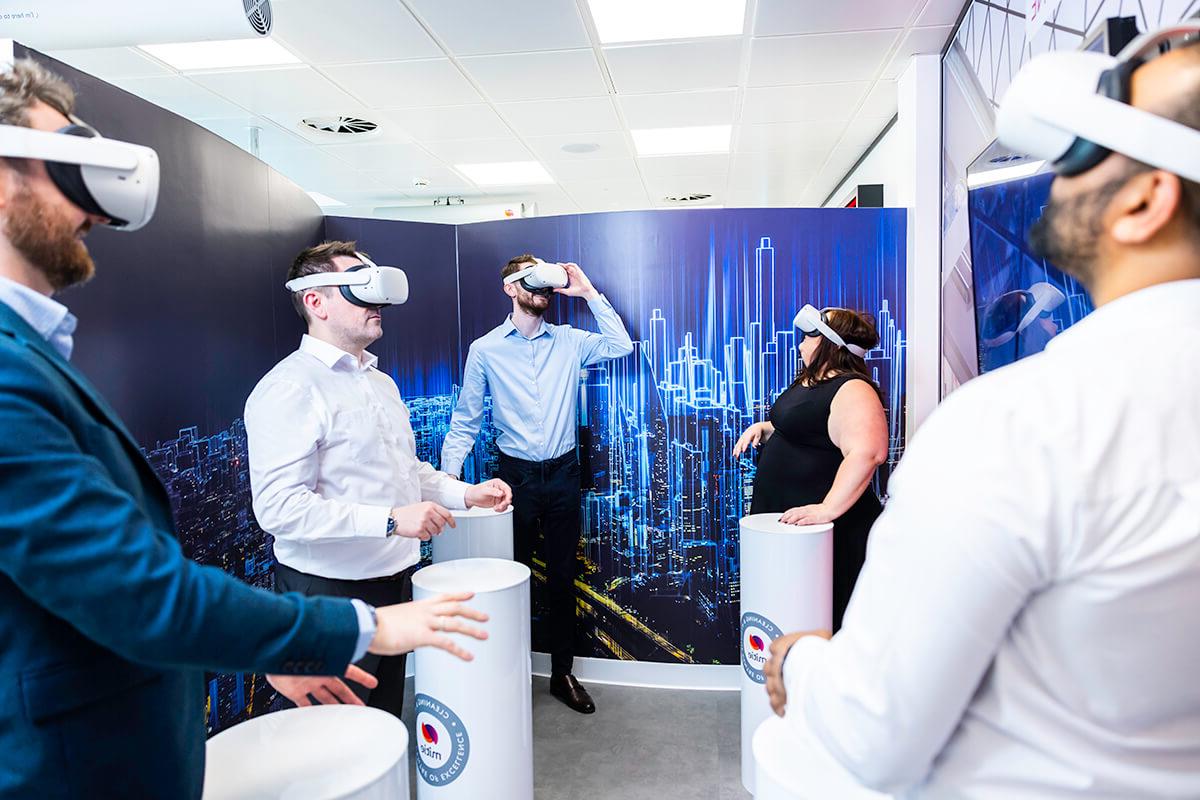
(443, 745)
(757, 634)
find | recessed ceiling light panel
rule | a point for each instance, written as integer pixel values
(232, 54)
(694, 140)
(506, 173)
(641, 21)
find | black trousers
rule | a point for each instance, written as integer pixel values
(546, 501)
(389, 694)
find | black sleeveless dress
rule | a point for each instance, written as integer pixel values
(797, 466)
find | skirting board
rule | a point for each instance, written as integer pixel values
(648, 674)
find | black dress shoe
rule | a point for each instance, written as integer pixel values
(568, 689)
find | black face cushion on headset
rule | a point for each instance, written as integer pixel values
(1084, 154)
(69, 178)
(349, 295)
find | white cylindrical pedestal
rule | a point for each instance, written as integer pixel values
(788, 767)
(474, 725)
(480, 533)
(787, 585)
(311, 753)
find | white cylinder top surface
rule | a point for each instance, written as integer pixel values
(311, 753)
(476, 575)
(472, 513)
(769, 523)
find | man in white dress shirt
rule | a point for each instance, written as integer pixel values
(1027, 624)
(333, 465)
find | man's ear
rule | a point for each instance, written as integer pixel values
(314, 304)
(1144, 206)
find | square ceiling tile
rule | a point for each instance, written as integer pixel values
(439, 181)
(477, 27)
(285, 89)
(608, 194)
(406, 84)
(669, 166)
(377, 157)
(783, 136)
(608, 145)
(679, 109)
(675, 67)
(780, 17)
(819, 58)
(238, 131)
(551, 117)
(107, 63)
(941, 12)
(445, 123)
(480, 151)
(862, 131)
(816, 102)
(754, 168)
(357, 31)
(181, 96)
(537, 76)
(916, 42)
(597, 169)
(882, 101)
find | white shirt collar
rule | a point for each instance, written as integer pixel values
(331, 355)
(47, 316)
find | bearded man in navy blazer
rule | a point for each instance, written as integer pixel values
(105, 627)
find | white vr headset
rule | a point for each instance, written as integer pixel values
(812, 322)
(1072, 110)
(366, 285)
(541, 278)
(115, 180)
(1022, 307)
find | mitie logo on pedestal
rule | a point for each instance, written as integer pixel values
(443, 745)
(757, 634)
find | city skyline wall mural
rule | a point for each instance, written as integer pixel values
(708, 298)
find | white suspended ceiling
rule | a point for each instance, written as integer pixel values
(805, 88)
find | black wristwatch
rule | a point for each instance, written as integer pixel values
(391, 528)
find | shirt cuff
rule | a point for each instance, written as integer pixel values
(455, 495)
(366, 628)
(802, 658)
(371, 520)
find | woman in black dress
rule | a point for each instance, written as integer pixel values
(826, 435)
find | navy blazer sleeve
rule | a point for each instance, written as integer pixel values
(81, 547)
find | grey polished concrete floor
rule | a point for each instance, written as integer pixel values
(657, 744)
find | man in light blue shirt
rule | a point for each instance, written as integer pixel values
(532, 370)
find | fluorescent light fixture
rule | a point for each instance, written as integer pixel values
(262, 52)
(324, 200)
(505, 173)
(642, 21)
(695, 140)
(988, 177)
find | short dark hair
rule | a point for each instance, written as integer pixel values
(517, 264)
(1187, 112)
(312, 260)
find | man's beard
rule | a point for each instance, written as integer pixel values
(1068, 232)
(47, 240)
(531, 306)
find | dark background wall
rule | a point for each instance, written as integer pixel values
(180, 322)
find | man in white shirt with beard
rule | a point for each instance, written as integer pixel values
(1027, 624)
(333, 465)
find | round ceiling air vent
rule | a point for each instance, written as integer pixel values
(684, 199)
(340, 124)
(258, 14)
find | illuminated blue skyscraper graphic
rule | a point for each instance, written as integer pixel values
(662, 491)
